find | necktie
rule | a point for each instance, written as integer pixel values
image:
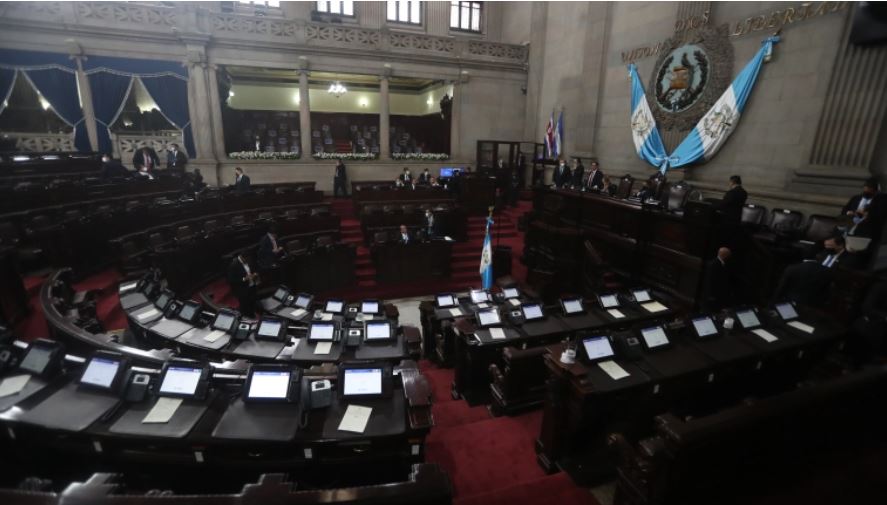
(828, 261)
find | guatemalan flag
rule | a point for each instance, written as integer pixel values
(486, 259)
(559, 136)
(647, 141)
(718, 123)
(550, 147)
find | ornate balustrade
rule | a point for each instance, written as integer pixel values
(124, 145)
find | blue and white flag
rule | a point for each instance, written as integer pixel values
(559, 135)
(647, 141)
(486, 259)
(550, 147)
(718, 123)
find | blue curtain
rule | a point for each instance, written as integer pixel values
(7, 81)
(132, 66)
(26, 60)
(171, 95)
(59, 88)
(109, 92)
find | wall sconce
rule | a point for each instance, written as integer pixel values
(363, 102)
(297, 99)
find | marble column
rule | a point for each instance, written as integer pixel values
(384, 109)
(305, 114)
(456, 115)
(86, 104)
(215, 104)
(201, 117)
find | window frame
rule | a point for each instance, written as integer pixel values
(480, 14)
(341, 14)
(400, 23)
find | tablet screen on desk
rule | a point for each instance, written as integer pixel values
(281, 294)
(369, 307)
(224, 321)
(641, 295)
(181, 380)
(270, 328)
(704, 327)
(597, 347)
(321, 331)
(786, 311)
(532, 311)
(488, 317)
(748, 319)
(510, 293)
(334, 306)
(609, 301)
(36, 359)
(268, 384)
(379, 330)
(444, 301)
(162, 301)
(573, 306)
(189, 310)
(654, 337)
(101, 372)
(303, 301)
(479, 296)
(362, 381)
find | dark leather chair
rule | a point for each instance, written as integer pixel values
(753, 215)
(625, 186)
(675, 196)
(819, 228)
(520, 382)
(785, 222)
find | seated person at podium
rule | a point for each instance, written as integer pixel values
(646, 191)
(243, 280)
(404, 237)
(434, 183)
(835, 253)
(806, 283)
(269, 252)
(867, 210)
(145, 173)
(608, 187)
(112, 168)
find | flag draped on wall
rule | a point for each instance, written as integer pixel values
(486, 259)
(559, 136)
(710, 133)
(647, 141)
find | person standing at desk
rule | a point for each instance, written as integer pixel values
(595, 179)
(339, 178)
(576, 173)
(867, 210)
(404, 237)
(561, 174)
(429, 224)
(241, 181)
(718, 288)
(406, 177)
(175, 159)
(269, 252)
(243, 281)
(146, 158)
(732, 202)
(425, 178)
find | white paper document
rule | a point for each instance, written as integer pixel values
(766, 335)
(323, 347)
(654, 307)
(147, 314)
(128, 286)
(497, 333)
(214, 335)
(456, 312)
(298, 313)
(806, 328)
(613, 369)
(615, 313)
(13, 385)
(326, 316)
(162, 411)
(483, 305)
(514, 302)
(355, 419)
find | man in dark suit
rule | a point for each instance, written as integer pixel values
(243, 279)
(732, 202)
(175, 159)
(806, 283)
(836, 254)
(577, 172)
(269, 252)
(112, 168)
(404, 237)
(561, 174)
(146, 158)
(339, 179)
(425, 177)
(718, 289)
(595, 179)
(241, 181)
(867, 210)
(406, 177)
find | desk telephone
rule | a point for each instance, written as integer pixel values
(628, 347)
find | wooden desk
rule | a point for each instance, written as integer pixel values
(412, 262)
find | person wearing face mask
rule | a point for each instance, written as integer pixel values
(561, 174)
(867, 210)
(835, 253)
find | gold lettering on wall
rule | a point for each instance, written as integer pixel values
(774, 20)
